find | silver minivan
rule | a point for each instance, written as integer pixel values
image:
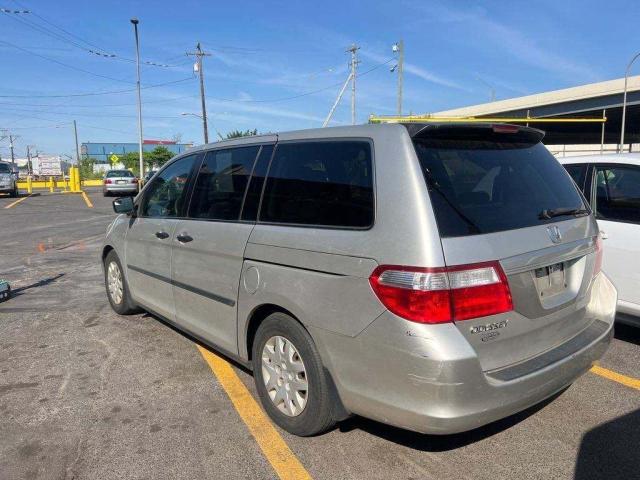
(435, 277)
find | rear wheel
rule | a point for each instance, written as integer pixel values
(13, 193)
(105, 193)
(116, 284)
(290, 379)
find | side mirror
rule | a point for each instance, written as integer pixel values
(123, 205)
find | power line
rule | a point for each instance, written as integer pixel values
(74, 114)
(94, 50)
(306, 94)
(94, 106)
(64, 64)
(91, 94)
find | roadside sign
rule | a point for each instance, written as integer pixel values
(113, 159)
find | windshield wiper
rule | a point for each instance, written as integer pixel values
(559, 212)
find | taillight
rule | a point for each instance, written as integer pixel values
(444, 294)
(597, 266)
(108, 181)
(505, 128)
(135, 180)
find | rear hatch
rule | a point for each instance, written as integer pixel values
(120, 178)
(498, 195)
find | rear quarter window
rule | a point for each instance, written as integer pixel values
(484, 187)
(320, 183)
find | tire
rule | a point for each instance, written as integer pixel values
(122, 303)
(317, 415)
(13, 193)
(105, 193)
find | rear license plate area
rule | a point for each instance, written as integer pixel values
(551, 279)
(121, 181)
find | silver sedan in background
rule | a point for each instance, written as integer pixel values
(120, 182)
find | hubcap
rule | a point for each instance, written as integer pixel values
(285, 376)
(114, 283)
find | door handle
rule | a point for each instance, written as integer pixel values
(162, 235)
(184, 238)
(603, 235)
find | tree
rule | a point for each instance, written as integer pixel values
(86, 169)
(157, 157)
(154, 159)
(240, 133)
(131, 161)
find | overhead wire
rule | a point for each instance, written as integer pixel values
(107, 92)
(94, 50)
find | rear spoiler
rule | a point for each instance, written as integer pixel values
(482, 132)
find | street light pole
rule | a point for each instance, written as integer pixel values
(135, 22)
(624, 101)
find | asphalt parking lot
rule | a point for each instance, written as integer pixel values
(85, 393)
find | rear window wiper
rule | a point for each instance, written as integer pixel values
(559, 212)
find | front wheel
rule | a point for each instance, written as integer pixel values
(292, 385)
(116, 284)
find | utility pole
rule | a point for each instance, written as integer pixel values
(13, 159)
(75, 132)
(199, 54)
(135, 22)
(399, 49)
(354, 62)
(29, 166)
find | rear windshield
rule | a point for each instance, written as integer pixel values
(4, 168)
(119, 173)
(483, 187)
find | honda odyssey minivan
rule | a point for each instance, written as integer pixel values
(435, 277)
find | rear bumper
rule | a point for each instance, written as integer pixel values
(126, 188)
(7, 188)
(427, 378)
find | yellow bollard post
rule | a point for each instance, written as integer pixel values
(29, 185)
(78, 179)
(72, 178)
(51, 184)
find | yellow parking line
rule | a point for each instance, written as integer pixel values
(275, 449)
(86, 200)
(616, 377)
(12, 204)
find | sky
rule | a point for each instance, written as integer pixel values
(279, 65)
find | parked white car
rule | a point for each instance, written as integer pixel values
(611, 184)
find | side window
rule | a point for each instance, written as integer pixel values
(327, 183)
(578, 172)
(221, 183)
(165, 195)
(252, 199)
(618, 193)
